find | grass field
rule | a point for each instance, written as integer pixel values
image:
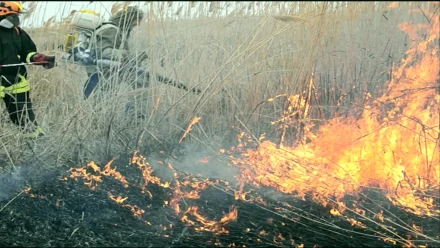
(239, 62)
(282, 73)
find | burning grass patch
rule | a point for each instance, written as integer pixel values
(69, 211)
(365, 181)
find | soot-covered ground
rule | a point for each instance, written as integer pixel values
(56, 210)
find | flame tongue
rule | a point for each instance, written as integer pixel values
(393, 146)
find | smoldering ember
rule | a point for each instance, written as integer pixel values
(261, 124)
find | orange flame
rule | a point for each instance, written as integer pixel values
(108, 171)
(147, 171)
(393, 5)
(136, 211)
(192, 195)
(118, 199)
(189, 188)
(396, 150)
(208, 225)
(203, 160)
(92, 180)
(194, 120)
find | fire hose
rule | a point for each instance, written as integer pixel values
(160, 78)
(84, 59)
(106, 63)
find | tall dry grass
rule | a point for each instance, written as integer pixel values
(240, 61)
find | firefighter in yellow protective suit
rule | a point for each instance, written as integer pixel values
(17, 47)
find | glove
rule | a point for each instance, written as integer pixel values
(39, 57)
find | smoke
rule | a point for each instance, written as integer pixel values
(200, 162)
(11, 183)
(23, 176)
(204, 163)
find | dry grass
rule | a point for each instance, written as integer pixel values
(239, 61)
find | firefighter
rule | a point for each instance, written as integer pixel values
(111, 42)
(17, 47)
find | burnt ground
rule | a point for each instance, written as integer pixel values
(67, 213)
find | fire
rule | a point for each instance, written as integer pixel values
(192, 217)
(243, 196)
(379, 216)
(147, 172)
(389, 240)
(195, 184)
(192, 195)
(118, 199)
(394, 146)
(136, 211)
(356, 223)
(194, 120)
(108, 171)
(203, 160)
(184, 189)
(231, 216)
(393, 5)
(92, 181)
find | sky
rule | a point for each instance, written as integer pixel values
(45, 10)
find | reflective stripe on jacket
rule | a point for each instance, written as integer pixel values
(16, 46)
(20, 87)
